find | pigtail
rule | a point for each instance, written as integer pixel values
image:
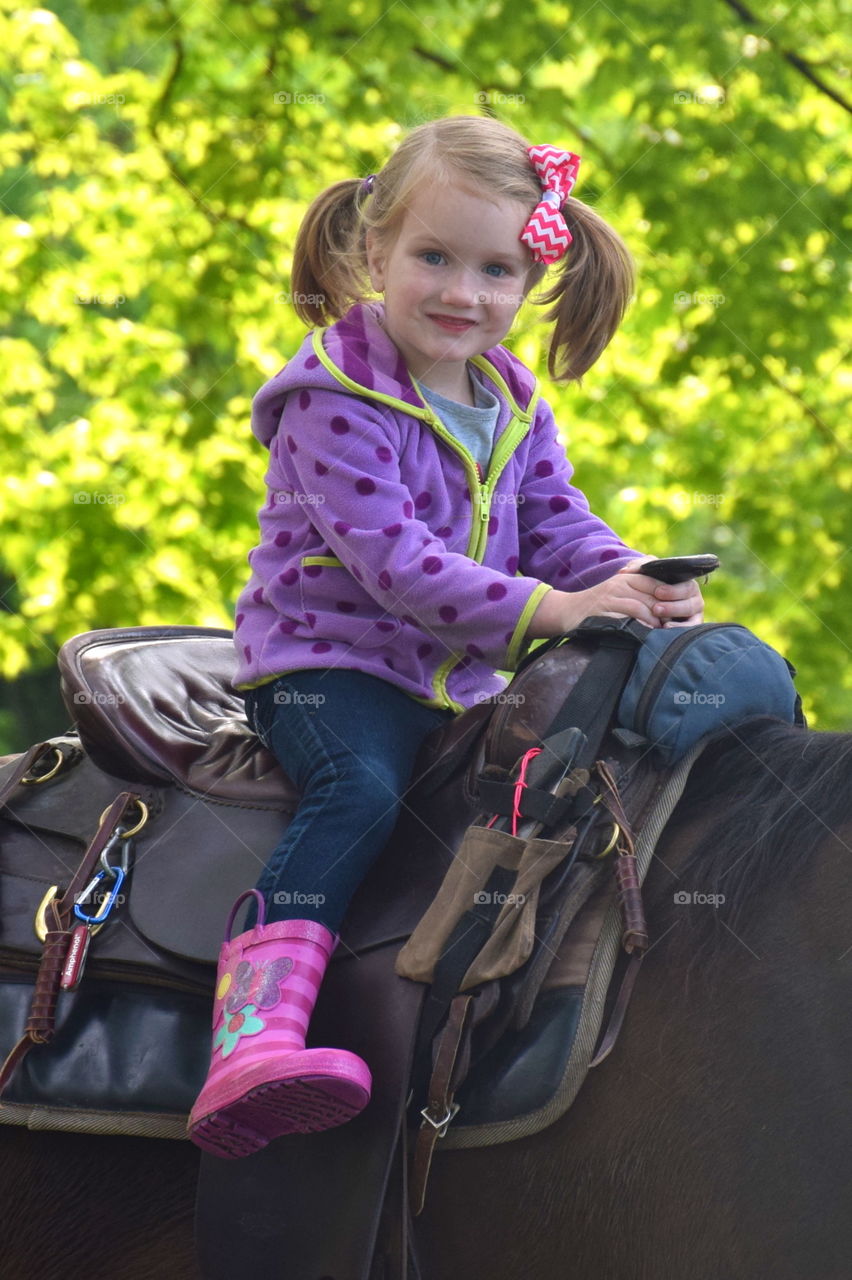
(328, 269)
(590, 297)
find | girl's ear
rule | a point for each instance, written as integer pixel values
(376, 257)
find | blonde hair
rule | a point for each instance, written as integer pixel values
(588, 298)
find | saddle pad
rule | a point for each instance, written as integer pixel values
(532, 1077)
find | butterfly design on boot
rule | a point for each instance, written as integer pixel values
(257, 984)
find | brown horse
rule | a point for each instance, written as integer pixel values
(715, 1143)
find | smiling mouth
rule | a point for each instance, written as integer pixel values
(455, 324)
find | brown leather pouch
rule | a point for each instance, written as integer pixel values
(465, 887)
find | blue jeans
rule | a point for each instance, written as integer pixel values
(348, 741)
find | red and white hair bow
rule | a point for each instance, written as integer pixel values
(546, 233)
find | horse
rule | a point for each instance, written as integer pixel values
(715, 1141)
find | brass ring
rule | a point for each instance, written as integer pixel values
(40, 922)
(51, 773)
(613, 840)
(143, 809)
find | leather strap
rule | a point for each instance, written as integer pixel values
(396, 1253)
(440, 1110)
(619, 1009)
(462, 947)
(339, 1175)
(23, 765)
(42, 1016)
(86, 869)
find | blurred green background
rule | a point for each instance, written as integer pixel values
(155, 159)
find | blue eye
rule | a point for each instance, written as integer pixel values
(494, 269)
(433, 258)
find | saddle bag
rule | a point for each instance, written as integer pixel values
(687, 683)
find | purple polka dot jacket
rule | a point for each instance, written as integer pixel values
(383, 546)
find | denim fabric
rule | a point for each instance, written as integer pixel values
(348, 741)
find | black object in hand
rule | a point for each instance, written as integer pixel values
(679, 568)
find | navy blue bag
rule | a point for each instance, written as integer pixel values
(669, 687)
(688, 682)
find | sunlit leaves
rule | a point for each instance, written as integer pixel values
(155, 160)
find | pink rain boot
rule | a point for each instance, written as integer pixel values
(262, 1081)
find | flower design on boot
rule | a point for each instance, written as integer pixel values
(257, 984)
(235, 1026)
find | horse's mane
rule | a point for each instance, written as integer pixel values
(764, 796)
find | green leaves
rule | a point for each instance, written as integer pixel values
(154, 165)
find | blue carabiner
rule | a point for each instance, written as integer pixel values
(109, 902)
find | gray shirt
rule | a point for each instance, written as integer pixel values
(472, 425)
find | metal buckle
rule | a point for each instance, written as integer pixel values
(443, 1123)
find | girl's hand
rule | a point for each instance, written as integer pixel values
(674, 604)
(625, 594)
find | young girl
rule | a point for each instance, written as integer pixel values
(420, 529)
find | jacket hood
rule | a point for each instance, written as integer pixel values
(356, 355)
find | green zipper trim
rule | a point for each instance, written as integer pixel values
(359, 390)
(331, 561)
(488, 368)
(439, 683)
(258, 684)
(515, 644)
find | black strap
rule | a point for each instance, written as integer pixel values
(544, 806)
(593, 701)
(462, 947)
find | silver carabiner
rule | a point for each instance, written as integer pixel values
(117, 838)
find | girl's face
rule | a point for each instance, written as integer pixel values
(453, 280)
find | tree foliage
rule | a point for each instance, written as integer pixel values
(155, 159)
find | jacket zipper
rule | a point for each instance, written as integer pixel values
(663, 670)
(484, 509)
(476, 551)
